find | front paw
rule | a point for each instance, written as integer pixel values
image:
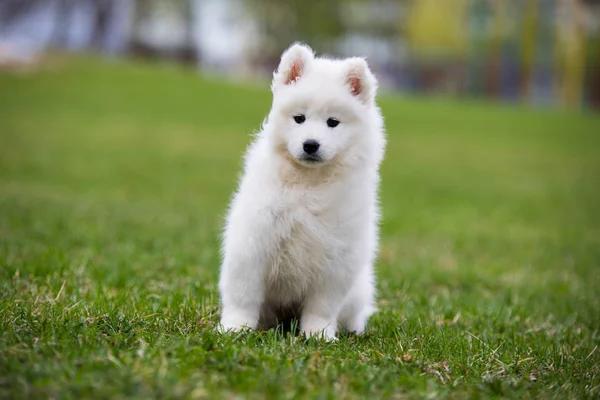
(316, 327)
(325, 334)
(231, 328)
(356, 324)
(235, 320)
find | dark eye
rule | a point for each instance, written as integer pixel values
(332, 122)
(300, 118)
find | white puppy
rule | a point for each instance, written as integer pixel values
(302, 231)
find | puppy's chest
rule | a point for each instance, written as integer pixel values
(309, 243)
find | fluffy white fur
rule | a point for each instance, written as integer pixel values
(302, 231)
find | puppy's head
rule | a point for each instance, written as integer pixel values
(323, 109)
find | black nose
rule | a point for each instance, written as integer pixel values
(311, 146)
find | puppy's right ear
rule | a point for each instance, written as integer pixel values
(293, 64)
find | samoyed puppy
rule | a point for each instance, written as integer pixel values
(302, 230)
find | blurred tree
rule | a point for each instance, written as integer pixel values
(570, 43)
(593, 69)
(11, 10)
(437, 28)
(436, 33)
(497, 38)
(163, 28)
(283, 22)
(529, 35)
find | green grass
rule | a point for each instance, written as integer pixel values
(113, 182)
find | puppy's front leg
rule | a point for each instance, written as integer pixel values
(319, 315)
(243, 276)
(242, 293)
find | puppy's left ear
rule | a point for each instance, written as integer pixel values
(360, 80)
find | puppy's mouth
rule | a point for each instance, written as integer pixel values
(304, 159)
(311, 158)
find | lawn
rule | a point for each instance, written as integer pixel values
(114, 178)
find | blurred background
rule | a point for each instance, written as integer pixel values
(122, 129)
(541, 52)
